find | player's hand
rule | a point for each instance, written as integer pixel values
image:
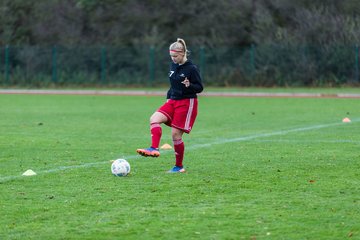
(186, 82)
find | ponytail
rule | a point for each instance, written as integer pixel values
(179, 46)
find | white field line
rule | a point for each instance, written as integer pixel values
(277, 133)
(194, 147)
(306, 141)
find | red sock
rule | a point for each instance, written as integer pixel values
(156, 133)
(179, 148)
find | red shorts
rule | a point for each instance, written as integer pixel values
(181, 114)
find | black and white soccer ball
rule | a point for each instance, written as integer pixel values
(120, 168)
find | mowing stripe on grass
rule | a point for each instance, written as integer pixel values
(194, 147)
(163, 92)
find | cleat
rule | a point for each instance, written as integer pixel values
(177, 169)
(148, 152)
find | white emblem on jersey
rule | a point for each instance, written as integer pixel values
(171, 73)
(182, 75)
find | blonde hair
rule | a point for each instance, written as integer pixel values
(179, 46)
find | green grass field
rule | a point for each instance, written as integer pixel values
(257, 168)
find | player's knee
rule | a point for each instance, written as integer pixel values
(158, 118)
(176, 134)
(153, 119)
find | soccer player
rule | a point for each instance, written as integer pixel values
(180, 110)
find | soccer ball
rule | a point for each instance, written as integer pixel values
(120, 168)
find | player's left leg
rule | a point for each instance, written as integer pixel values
(182, 122)
(179, 149)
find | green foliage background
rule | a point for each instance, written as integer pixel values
(246, 43)
(208, 22)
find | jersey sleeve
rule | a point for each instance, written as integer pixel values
(195, 81)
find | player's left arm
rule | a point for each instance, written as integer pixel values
(195, 81)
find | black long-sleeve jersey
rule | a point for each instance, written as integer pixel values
(177, 74)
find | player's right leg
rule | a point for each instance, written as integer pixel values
(156, 132)
(149, 152)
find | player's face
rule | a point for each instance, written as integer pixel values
(176, 57)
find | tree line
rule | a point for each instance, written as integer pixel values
(235, 42)
(209, 23)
